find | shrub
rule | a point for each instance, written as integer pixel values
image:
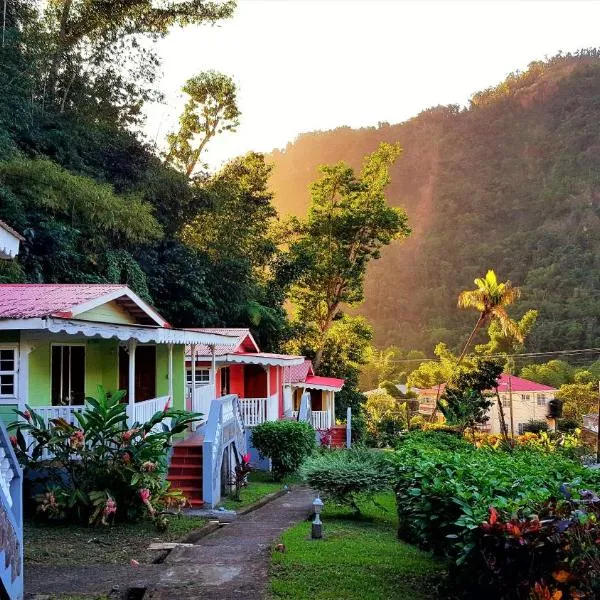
(101, 470)
(416, 422)
(443, 494)
(343, 476)
(441, 439)
(386, 417)
(286, 443)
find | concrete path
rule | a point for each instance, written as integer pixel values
(230, 563)
(233, 562)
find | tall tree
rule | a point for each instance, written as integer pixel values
(348, 223)
(211, 109)
(490, 298)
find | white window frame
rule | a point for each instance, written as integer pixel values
(11, 398)
(541, 399)
(525, 397)
(520, 427)
(62, 345)
(188, 376)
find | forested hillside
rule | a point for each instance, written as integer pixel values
(511, 183)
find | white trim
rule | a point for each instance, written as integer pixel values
(77, 309)
(304, 385)
(140, 333)
(85, 356)
(257, 359)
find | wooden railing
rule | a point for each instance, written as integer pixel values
(258, 410)
(224, 438)
(319, 419)
(201, 399)
(11, 520)
(141, 412)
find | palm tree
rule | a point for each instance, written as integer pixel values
(490, 299)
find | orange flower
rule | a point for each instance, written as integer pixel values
(561, 576)
(493, 515)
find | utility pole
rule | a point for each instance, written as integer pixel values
(510, 401)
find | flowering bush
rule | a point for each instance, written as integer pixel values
(101, 469)
(553, 555)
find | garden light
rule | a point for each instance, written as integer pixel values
(317, 525)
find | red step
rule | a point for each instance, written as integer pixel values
(185, 472)
(195, 470)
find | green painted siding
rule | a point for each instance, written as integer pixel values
(110, 312)
(162, 374)
(39, 375)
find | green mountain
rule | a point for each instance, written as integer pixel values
(512, 182)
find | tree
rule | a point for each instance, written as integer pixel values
(504, 341)
(82, 42)
(465, 403)
(490, 299)
(554, 373)
(211, 109)
(578, 399)
(385, 416)
(348, 223)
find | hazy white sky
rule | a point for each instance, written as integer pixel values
(302, 65)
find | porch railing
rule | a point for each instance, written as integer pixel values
(258, 410)
(141, 412)
(224, 436)
(11, 520)
(201, 398)
(319, 419)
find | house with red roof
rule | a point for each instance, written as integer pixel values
(269, 386)
(529, 401)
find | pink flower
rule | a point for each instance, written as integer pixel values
(77, 440)
(145, 495)
(149, 466)
(167, 404)
(13, 440)
(246, 458)
(129, 434)
(134, 563)
(27, 415)
(110, 508)
(126, 458)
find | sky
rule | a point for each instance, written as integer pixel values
(306, 65)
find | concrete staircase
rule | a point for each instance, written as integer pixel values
(185, 470)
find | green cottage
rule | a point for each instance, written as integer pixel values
(59, 342)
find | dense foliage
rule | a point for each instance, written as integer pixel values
(100, 469)
(510, 182)
(348, 476)
(445, 487)
(286, 443)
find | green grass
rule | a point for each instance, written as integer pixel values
(359, 558)
(260, 484)
(51, 544)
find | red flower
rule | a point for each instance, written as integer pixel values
(110, 507)
(27, 415)
(145, 495)
(167, 404)
(246, 458)
(13, 440)
(126, 458)
(493, 515)
(513, 529)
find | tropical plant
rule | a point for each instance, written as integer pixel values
(490, 298)
(348, 476)
(286, 443)
(100, 469)
(385, 416)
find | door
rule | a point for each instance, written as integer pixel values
(145, 372)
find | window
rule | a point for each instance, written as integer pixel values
(225, 381)
(505, 401)
(68, 374)
(8, 372)
(520, 427)
(541, 399)
(525, 397)
(202, 376)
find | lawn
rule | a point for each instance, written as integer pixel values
(260, 484)
(46, 543)
(359, 558)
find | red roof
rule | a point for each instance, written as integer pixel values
(316, 380)
(518, 384)
(299, 373)
(244, 338)
(32, 300)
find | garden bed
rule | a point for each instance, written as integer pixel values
(51, 544)
(359, 558)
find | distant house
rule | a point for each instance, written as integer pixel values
(9, 242)
(529, 402)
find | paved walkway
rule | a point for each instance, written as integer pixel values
(230, 563)
(233, 562)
